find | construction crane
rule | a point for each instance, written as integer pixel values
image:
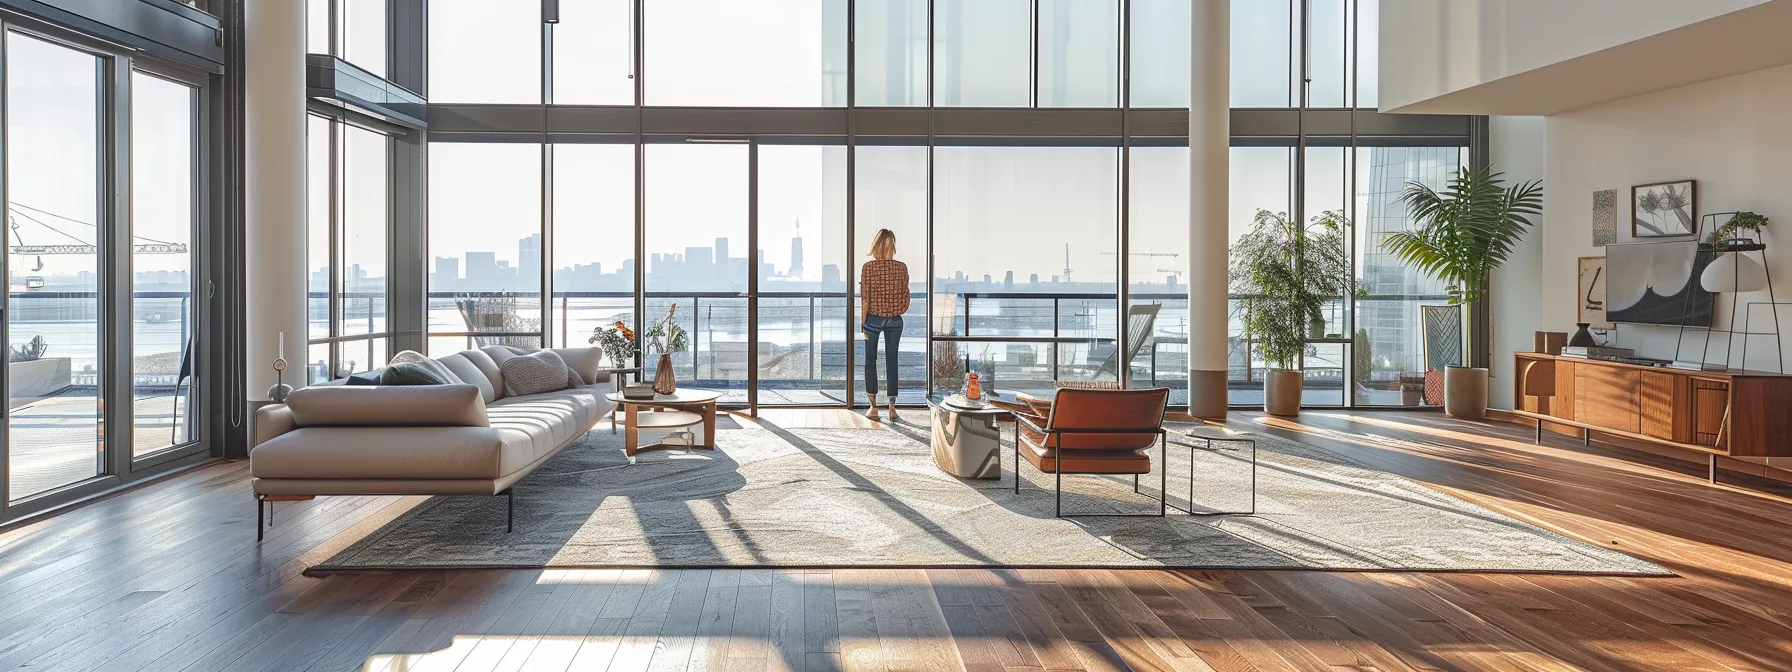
(34, 282)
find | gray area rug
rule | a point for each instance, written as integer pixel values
(872, 497)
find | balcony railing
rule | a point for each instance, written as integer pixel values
(69, 324)
(1068, 334)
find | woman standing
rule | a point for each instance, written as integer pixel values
(883, 294)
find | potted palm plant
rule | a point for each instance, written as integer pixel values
(1462, 233)
(1285, 273)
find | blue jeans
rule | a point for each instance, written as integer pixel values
(891, 328)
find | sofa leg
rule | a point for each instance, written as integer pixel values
(261, 503)
(509, 510)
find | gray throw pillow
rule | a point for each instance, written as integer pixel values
(534, 373)
(441, 370)
(412, 373)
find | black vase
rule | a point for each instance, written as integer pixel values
(1582, 338)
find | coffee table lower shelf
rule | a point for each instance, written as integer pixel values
(659, 420)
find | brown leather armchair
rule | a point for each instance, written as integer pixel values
(1094, 432)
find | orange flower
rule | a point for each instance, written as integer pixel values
(626, 332)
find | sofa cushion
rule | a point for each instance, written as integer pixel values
(550, 419)
(401, 406)
(500, 353)
(534, 373)
(414, 357)
(389, 452)
(587, 362)
(476, 368)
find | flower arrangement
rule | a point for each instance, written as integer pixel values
(617, 341)
(666, 336)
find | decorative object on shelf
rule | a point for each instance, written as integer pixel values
(1582, 338)
(1591, 296)
(664, 338)
(617, 341)
(1286, 271)
(1465, 232)
(1664, 209)
(1549, 342)
(1605, 217)
(973, 389)
(280, 390)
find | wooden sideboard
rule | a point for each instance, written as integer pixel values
(1733, 413)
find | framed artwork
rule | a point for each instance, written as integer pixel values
(1605, 217)
(1591, 298)
(1664, 210)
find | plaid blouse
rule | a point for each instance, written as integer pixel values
(884, 285)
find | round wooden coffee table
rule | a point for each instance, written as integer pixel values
(665, 411)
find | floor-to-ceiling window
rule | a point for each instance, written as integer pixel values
(801, 308)
(594, 241)
(1029, 155)
(104, 167)
(55, 183)
(484, 246)
(165, 206)
(348, 234)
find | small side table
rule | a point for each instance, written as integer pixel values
(619, 376)
(966, 441)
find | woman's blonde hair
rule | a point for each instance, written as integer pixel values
(883, 244)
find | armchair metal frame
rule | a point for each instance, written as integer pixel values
(1163, 444)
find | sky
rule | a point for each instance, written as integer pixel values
(53, 118)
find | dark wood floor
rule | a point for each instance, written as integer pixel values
(170, 578)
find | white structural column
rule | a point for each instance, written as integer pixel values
(1209, 151)
(274, 185)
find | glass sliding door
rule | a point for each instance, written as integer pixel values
(361, 281)
(1024, 277)
(1391, 366)
(1262, 180)
(890, 192)
(698, 259)
(484, 246)
(164, 165)
(802, 292)
(54, 186)
(594, 241)
(1158, 198)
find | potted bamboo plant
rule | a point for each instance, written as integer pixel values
(1285, 273)
(1461, 234)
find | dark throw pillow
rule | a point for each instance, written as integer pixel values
(412, 373)
(413, 357)
(365, 377)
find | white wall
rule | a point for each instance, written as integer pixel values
(1517, 149)
(1733, 135)
(1433, 47)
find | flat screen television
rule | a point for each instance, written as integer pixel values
(1658, 283)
